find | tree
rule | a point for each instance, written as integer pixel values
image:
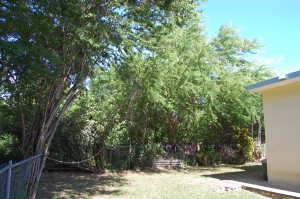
(91, 124)
(50, 48)
(183, 75)
(233, 107)
(185, 88)
(191, 84)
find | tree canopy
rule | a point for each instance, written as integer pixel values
(50, 48)
(144, 72)
(181, 91)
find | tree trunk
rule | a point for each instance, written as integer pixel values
(173, 123)
(99, 156)
(35, 176)
(259, 133)
(42, 129)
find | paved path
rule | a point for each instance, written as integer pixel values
(253, 181)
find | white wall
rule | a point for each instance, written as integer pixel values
(282, 125)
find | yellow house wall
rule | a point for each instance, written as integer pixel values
(282, 125)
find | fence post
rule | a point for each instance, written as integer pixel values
(8, 179)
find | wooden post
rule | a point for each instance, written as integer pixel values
(110, 157)
(259, 133)
(252, 131)
(8, 179)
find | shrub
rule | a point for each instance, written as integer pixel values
(208, 156)
(132, 157)
(245, 145)
(8, 148)
(227, 154)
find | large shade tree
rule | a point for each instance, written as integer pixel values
(191, 87)
(185, 88)
(50, 48)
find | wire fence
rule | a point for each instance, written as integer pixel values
(136, 156)
(124, 157)
(128, 157)
(14, 177)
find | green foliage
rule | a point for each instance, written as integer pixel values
(162, 88)
(9, 148)
(49, 49)
(155, 77)
(182, 90)
(208, 156)
(8, 133)
(244, 144)
(133, 157)
(79, 136)
(228, 105)
(58, 44)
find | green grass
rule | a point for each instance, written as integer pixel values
(190, 183)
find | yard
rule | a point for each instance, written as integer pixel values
(198, 182)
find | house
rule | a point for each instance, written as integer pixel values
(281, 104)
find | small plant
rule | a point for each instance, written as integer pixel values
(227, 154)
(207, 156)
(244, 144)
(259, 152)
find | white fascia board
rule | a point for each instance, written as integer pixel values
(274, 82)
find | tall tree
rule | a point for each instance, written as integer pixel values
(185, 87)
(166, 84)
(233, 106)
(189, 84)
(49, 49)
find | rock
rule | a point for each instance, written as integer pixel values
(223, 187)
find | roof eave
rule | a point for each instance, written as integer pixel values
(274, 82)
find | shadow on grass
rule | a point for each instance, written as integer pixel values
(249, 168)
(251, 174)
(195, 169)
(79, 185)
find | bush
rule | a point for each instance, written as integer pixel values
(132, 157)
(238, 152)
(9, 148)
(227, 154)
(245, 145)
(73, 142)
(207, 156)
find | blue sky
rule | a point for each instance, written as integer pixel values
(276, 23)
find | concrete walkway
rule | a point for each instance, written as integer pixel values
(252, 180)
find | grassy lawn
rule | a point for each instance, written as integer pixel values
(199, 182)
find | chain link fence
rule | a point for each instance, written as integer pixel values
(14, 177)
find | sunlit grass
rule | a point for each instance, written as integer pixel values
(189, 183)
